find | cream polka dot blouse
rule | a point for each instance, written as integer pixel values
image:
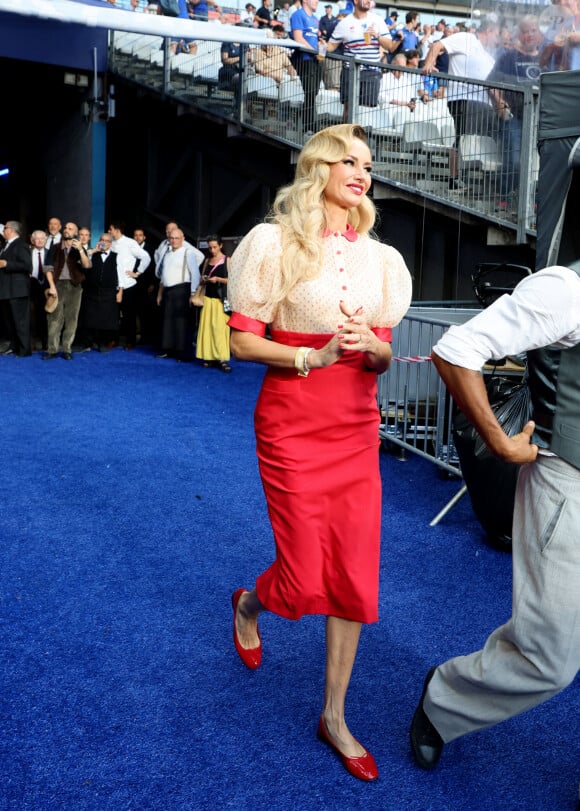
(356, 269)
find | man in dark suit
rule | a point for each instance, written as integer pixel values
(40, 254)
(15, 270)
(147, 287)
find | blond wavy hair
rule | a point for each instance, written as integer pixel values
(299, 207)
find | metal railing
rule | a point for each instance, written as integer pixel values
(491, 173)
(416, 409)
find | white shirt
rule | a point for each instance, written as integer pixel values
(467, 58)
(37, 252)
(53, 239)
(128, 251)
(161, 251)
(543, 310)
(395, 89)
(182, 265)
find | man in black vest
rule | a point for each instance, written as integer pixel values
(15, 270)
(536, 654)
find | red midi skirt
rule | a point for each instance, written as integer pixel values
(318, 451)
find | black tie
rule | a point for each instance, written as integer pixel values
(40, 269)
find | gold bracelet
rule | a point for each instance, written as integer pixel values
(300, 360)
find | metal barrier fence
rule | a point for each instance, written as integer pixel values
(491, 171)
(416, 410)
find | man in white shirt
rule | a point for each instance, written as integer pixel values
(164, 246)
(472, 108)
(179, 280)
(128, 251)
(536, 653)
(398, 88)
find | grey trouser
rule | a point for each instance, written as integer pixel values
(536, 654)
(65, 316)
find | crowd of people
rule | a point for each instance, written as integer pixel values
(62, 295)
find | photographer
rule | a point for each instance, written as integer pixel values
(64, 278)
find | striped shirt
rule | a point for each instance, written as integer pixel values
(351, 32)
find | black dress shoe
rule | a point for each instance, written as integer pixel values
(7, 351)
(426, 742)
(66, 356)
(49, 356)
(23, 354)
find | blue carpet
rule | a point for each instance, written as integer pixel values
(131, 509)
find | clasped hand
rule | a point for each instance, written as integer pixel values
(354, 335)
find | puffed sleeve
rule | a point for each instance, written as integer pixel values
(397, 287)
(254, 274)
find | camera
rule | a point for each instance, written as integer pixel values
(101, 246)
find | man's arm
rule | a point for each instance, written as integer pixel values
(435, 49)
(468, 390)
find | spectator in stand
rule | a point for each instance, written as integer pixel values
(392, 20)
(362, 34)
(438, 32)
(469, 105)
(412, 56)
(561, 50)
(519, 65)
(304, 24)
(128, 252)
(397, 87)
(248, 14)
(327, 23)
(424, 43)
(330, 67)
(284, 17)
(272, 61)
(229, 73)
(407, 37)
(54, 229)
(263, 16)
(199, 9)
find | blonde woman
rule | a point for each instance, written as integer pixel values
(329, 294)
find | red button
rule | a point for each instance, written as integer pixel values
(344, 287)
(341, 270)
(338, 253)
(336, 233)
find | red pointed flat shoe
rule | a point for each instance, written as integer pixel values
(363, 767)
(251, 657)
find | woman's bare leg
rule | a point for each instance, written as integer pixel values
(249, 608)
(342, 638)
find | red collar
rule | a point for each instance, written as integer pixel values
(349, 233)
